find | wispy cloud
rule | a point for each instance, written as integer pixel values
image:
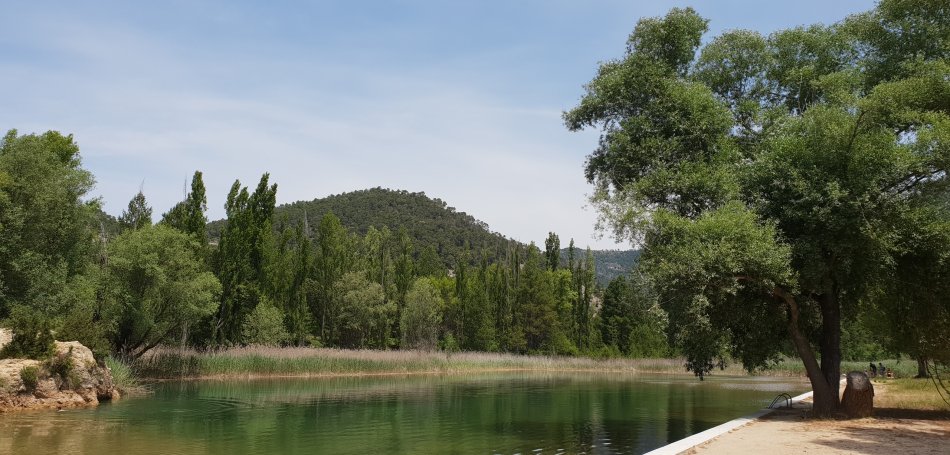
(461, 101)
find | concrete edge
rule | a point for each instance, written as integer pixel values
(692, 441)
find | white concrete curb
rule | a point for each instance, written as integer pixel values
(692, 441)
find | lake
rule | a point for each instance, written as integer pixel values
(509, 413)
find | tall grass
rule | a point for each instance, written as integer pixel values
(270, 361)
(273, 361)
(123, 378)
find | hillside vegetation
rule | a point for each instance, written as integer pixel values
(431, 224)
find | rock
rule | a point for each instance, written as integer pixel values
(6, 336)
(858, 399)
(85, 384)
(46, 388)
(81, 355)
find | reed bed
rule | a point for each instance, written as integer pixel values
(251, 361)
(124, 378)
(271, 361)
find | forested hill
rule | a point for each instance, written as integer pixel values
(430, 222)
(610, 264)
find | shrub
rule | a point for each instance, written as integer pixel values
(62, 366)
(31, 377)
(32, 338)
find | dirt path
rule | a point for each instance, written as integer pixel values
(890, 432)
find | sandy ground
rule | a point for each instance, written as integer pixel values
(890, 431)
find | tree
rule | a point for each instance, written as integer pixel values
(536, 311)
(552, 251)
(631, 321)
(422, 316)
(47, 230)
(403, 270)
(189, 215)
(157, 282)
(331, 263)
(289, 265)
(138, 215)
(239, 262)
(616, 313)
(364, 316)
(264, 326)
(768, 181)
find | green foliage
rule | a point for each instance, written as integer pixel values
(364, 314)
(289, 266)
(264, 326)
(773, 182)
(138, 215)
(333, 259)
(239, 262)
(63, 367)
(552, 251)
(158, 284)
(84, 321)
(44, 223)
(429, 223)
(32, 338)
(421, 316)
(189, 215)
(631, 321)
(31, 377)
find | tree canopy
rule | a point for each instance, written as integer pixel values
(771, 179)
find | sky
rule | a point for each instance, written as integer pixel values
(461, 100)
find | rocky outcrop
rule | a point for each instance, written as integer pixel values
(69, 379)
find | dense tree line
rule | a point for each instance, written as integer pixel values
(125, 285)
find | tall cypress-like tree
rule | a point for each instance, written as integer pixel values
(189, 215)
(552, 251)
(331, 263)
(239, 263)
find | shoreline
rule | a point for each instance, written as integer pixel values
(317, 375)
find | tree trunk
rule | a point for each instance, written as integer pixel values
(858, 400)
(922, 372)
(831, 340)
(825, 398)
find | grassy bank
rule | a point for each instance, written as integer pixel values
(905, 393)
(903, 368)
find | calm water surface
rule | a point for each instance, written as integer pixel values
(527, 413)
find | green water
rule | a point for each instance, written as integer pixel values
(525, 413)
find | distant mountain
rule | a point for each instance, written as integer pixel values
(429, 222)
(610, 264)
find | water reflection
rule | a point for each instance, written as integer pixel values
(509, 413)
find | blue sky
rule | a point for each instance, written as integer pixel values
(461, 100)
